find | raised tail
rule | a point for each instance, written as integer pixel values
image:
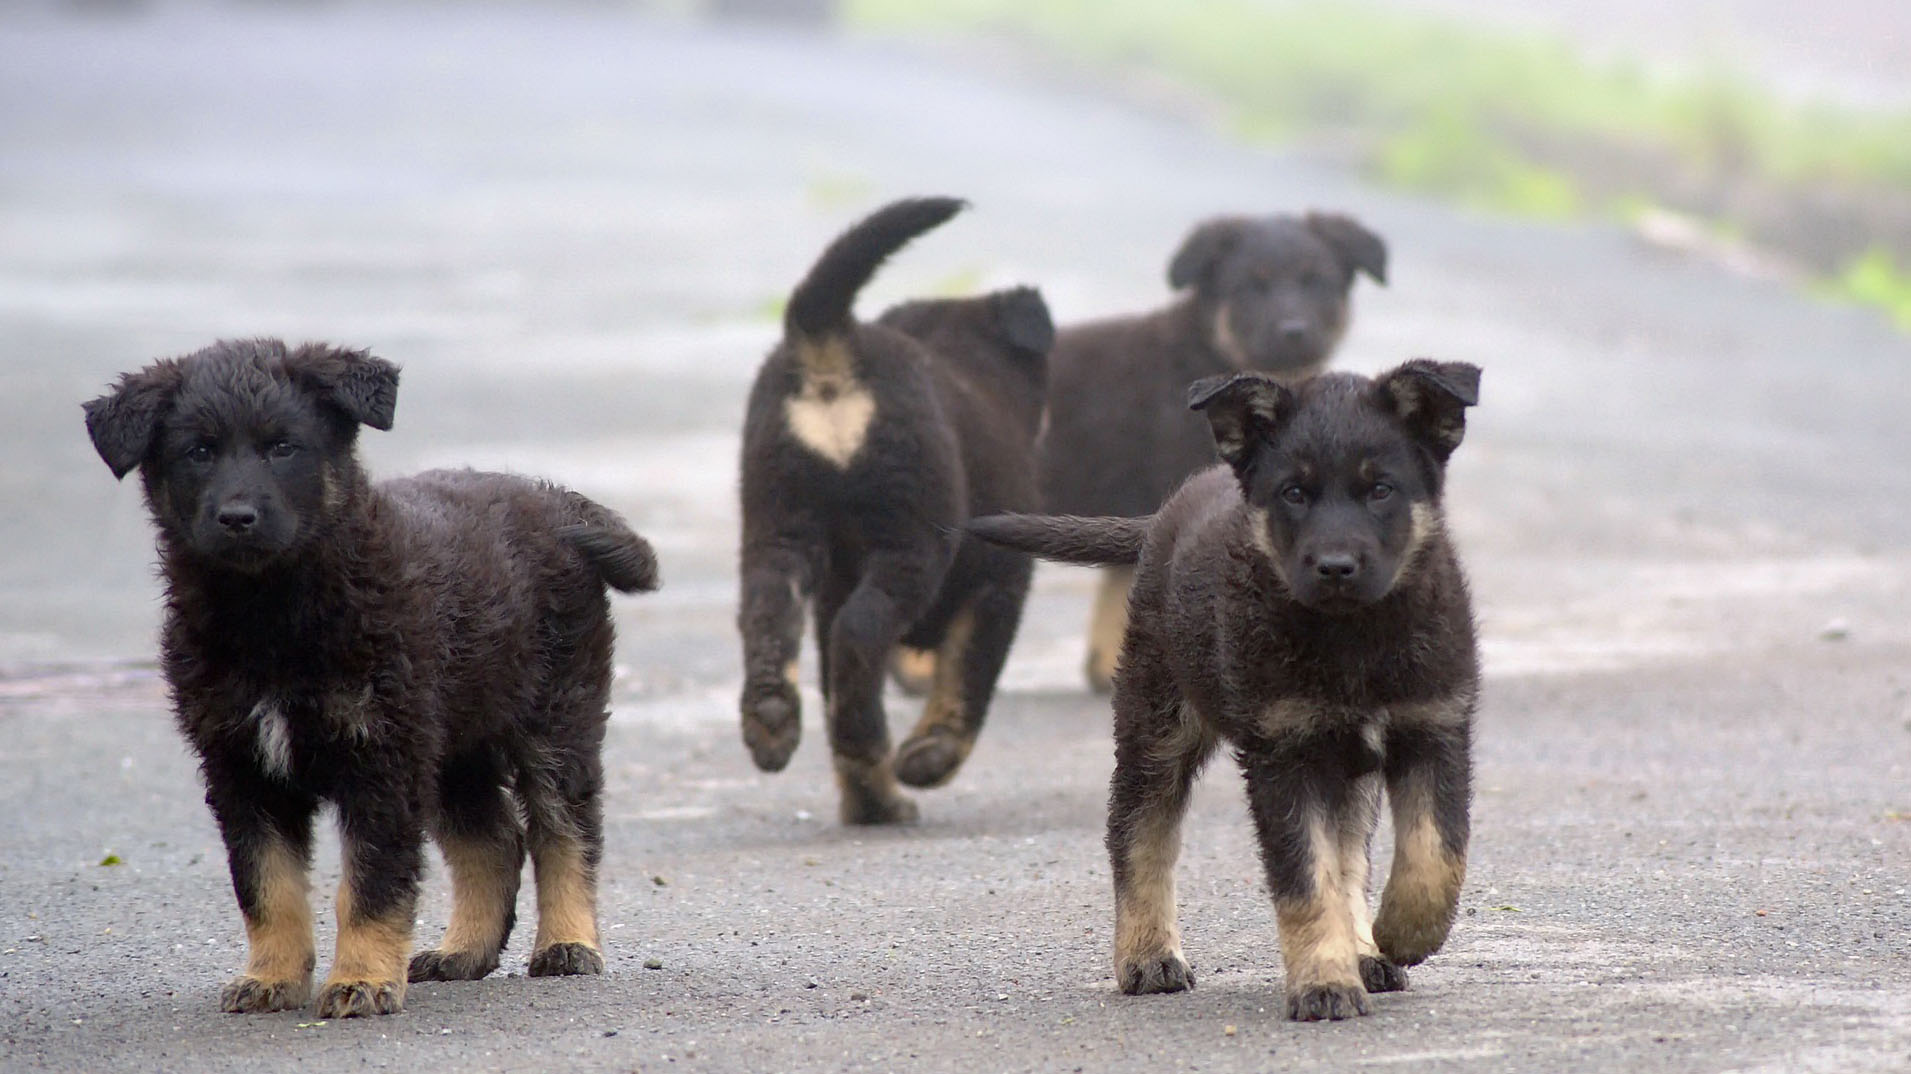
(1097, 542)
(819, 308)
(622, 559)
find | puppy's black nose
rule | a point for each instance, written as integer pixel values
(1294, 331)
(238, 518)
(1337, 567)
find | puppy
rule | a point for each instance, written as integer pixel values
(865, 447)
(431, 653)
(1263, 293)
(1302, 604)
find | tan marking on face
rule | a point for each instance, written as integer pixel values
(1109, 622)
(566, 895)
(1226, 342)
(831, 412)
(484, 888)
(1318, 939)
(370, 949)
(1263, 542)
(279, 944)
(791, 673)
(1423, 888)
(331, 494)
(1145, 926)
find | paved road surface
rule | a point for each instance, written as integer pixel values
(571, 226)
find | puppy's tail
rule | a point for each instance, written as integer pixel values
(819, 308)
(1097, 542)
(622, 559)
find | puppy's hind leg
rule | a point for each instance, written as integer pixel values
(561, 787)
(893, 590)
(1159, 748)
(968, 663)
(483, 844)
(1106, 625)
(776, 583)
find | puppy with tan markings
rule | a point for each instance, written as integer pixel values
(1302, 604)
(427, 654)
(865, 447)
(1261, 293)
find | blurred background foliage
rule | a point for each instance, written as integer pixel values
(1508, 120)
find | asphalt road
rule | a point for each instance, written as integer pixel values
(1684, 502)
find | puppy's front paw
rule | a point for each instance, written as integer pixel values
(251, 995)
(352, 999)
(1154, 973)
(772, 723)
(1380, 975)
(440, 965)
(567, 960)
(1316, 1003)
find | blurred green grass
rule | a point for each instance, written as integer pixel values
(1499, 120)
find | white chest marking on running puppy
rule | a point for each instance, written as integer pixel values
(830, 415)
(275, 737)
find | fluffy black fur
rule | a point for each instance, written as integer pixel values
(1261, 293)
(429, 653)
(865, 447)
(1303, 604)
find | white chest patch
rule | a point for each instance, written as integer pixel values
(831, 418)
(275, 737)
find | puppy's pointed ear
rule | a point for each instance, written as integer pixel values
(1431, 399)
(1023, 318)
(1243, 409)
(363, 387)
(1358, 249)
(1193, 265)
(124, 421)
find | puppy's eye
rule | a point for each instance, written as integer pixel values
(281, 449)
(199, 453)
(1380, 491)
(1294, 494)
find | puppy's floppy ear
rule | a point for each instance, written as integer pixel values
(1243, 409)
(1431, 398)
(1350, 240)
(1193, 264)
(1023, 318)
(123, 422)
(363, 387)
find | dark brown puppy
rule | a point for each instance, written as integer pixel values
(865, 447)
(431, 653)
(1304, 605)
(1267, 293)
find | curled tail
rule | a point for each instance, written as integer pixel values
(1099, 542)
(622, 559)
(819, 308)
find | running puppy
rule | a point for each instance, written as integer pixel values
(1304, 605)
(429, 653)
(865, 448)
(1262, 293)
